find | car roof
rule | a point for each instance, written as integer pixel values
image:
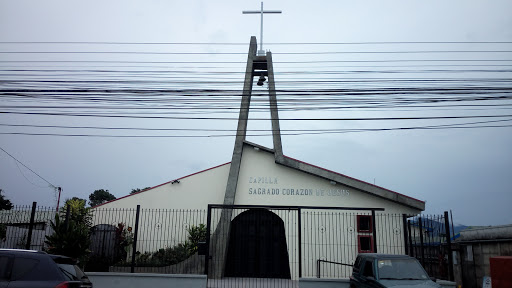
(20, 250)
(384, 256)
(57, 258)
(23, 251)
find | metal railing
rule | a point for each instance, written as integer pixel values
(429, 240)
(319, 242)
(319, 261)
(25, 227)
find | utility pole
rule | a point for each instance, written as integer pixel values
(58, 199)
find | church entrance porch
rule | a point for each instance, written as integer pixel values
(274, 246)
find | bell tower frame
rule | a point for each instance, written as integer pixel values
(257, 66)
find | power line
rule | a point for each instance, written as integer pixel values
(18, 161)
(243, 53)
(242, 43)
(241, 62)
(252, 135)
(258, 119)
(28, 180)
(164, 73)
(216, 130)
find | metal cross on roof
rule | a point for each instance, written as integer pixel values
(261, 52)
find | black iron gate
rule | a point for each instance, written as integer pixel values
(262, 246)
(429, 240)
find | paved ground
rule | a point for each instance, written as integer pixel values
(252, 283)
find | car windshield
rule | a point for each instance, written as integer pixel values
(409, 269)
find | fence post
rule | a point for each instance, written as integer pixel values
(299, 233)
(404, 224)
(31, 226)
(374, 232)
(422, 250)
(411, 248)
(449, 243)
(134, 249)
(208, 235)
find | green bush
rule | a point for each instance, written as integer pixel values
(72, 241)
(171, 255)
(196, 234)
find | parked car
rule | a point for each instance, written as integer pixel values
(384, 270)
(30, 268)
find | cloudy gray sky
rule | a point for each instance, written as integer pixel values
(454, 68)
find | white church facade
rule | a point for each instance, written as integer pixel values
(262, 181)
(314, 215)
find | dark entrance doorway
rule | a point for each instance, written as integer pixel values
(257, 246)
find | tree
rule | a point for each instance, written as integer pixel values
(73, 202)
(99, 197)
(77, 209)
(71, 238)
(137, 190)
(5, 204)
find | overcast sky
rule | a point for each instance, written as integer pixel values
(466, 170)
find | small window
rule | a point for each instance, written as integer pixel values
(365, 243)
(364, 223)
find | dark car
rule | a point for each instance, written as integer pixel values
(384, 270)
(29, 268)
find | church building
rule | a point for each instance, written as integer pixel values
(263, 181)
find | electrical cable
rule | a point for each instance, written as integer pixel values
(260, 119)
(243, 43)
(244, 53)
(216, 130)
(18, 161)
(250, 135)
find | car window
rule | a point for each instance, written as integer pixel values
(23, 267)
(368, 269)
(71, 272)
(401, 269)
(356, 264)
(4, 268)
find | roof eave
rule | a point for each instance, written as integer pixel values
(344, 180)
(352, 182)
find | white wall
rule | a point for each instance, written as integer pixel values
(261, 181)
(195, 191)
(159, 227)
